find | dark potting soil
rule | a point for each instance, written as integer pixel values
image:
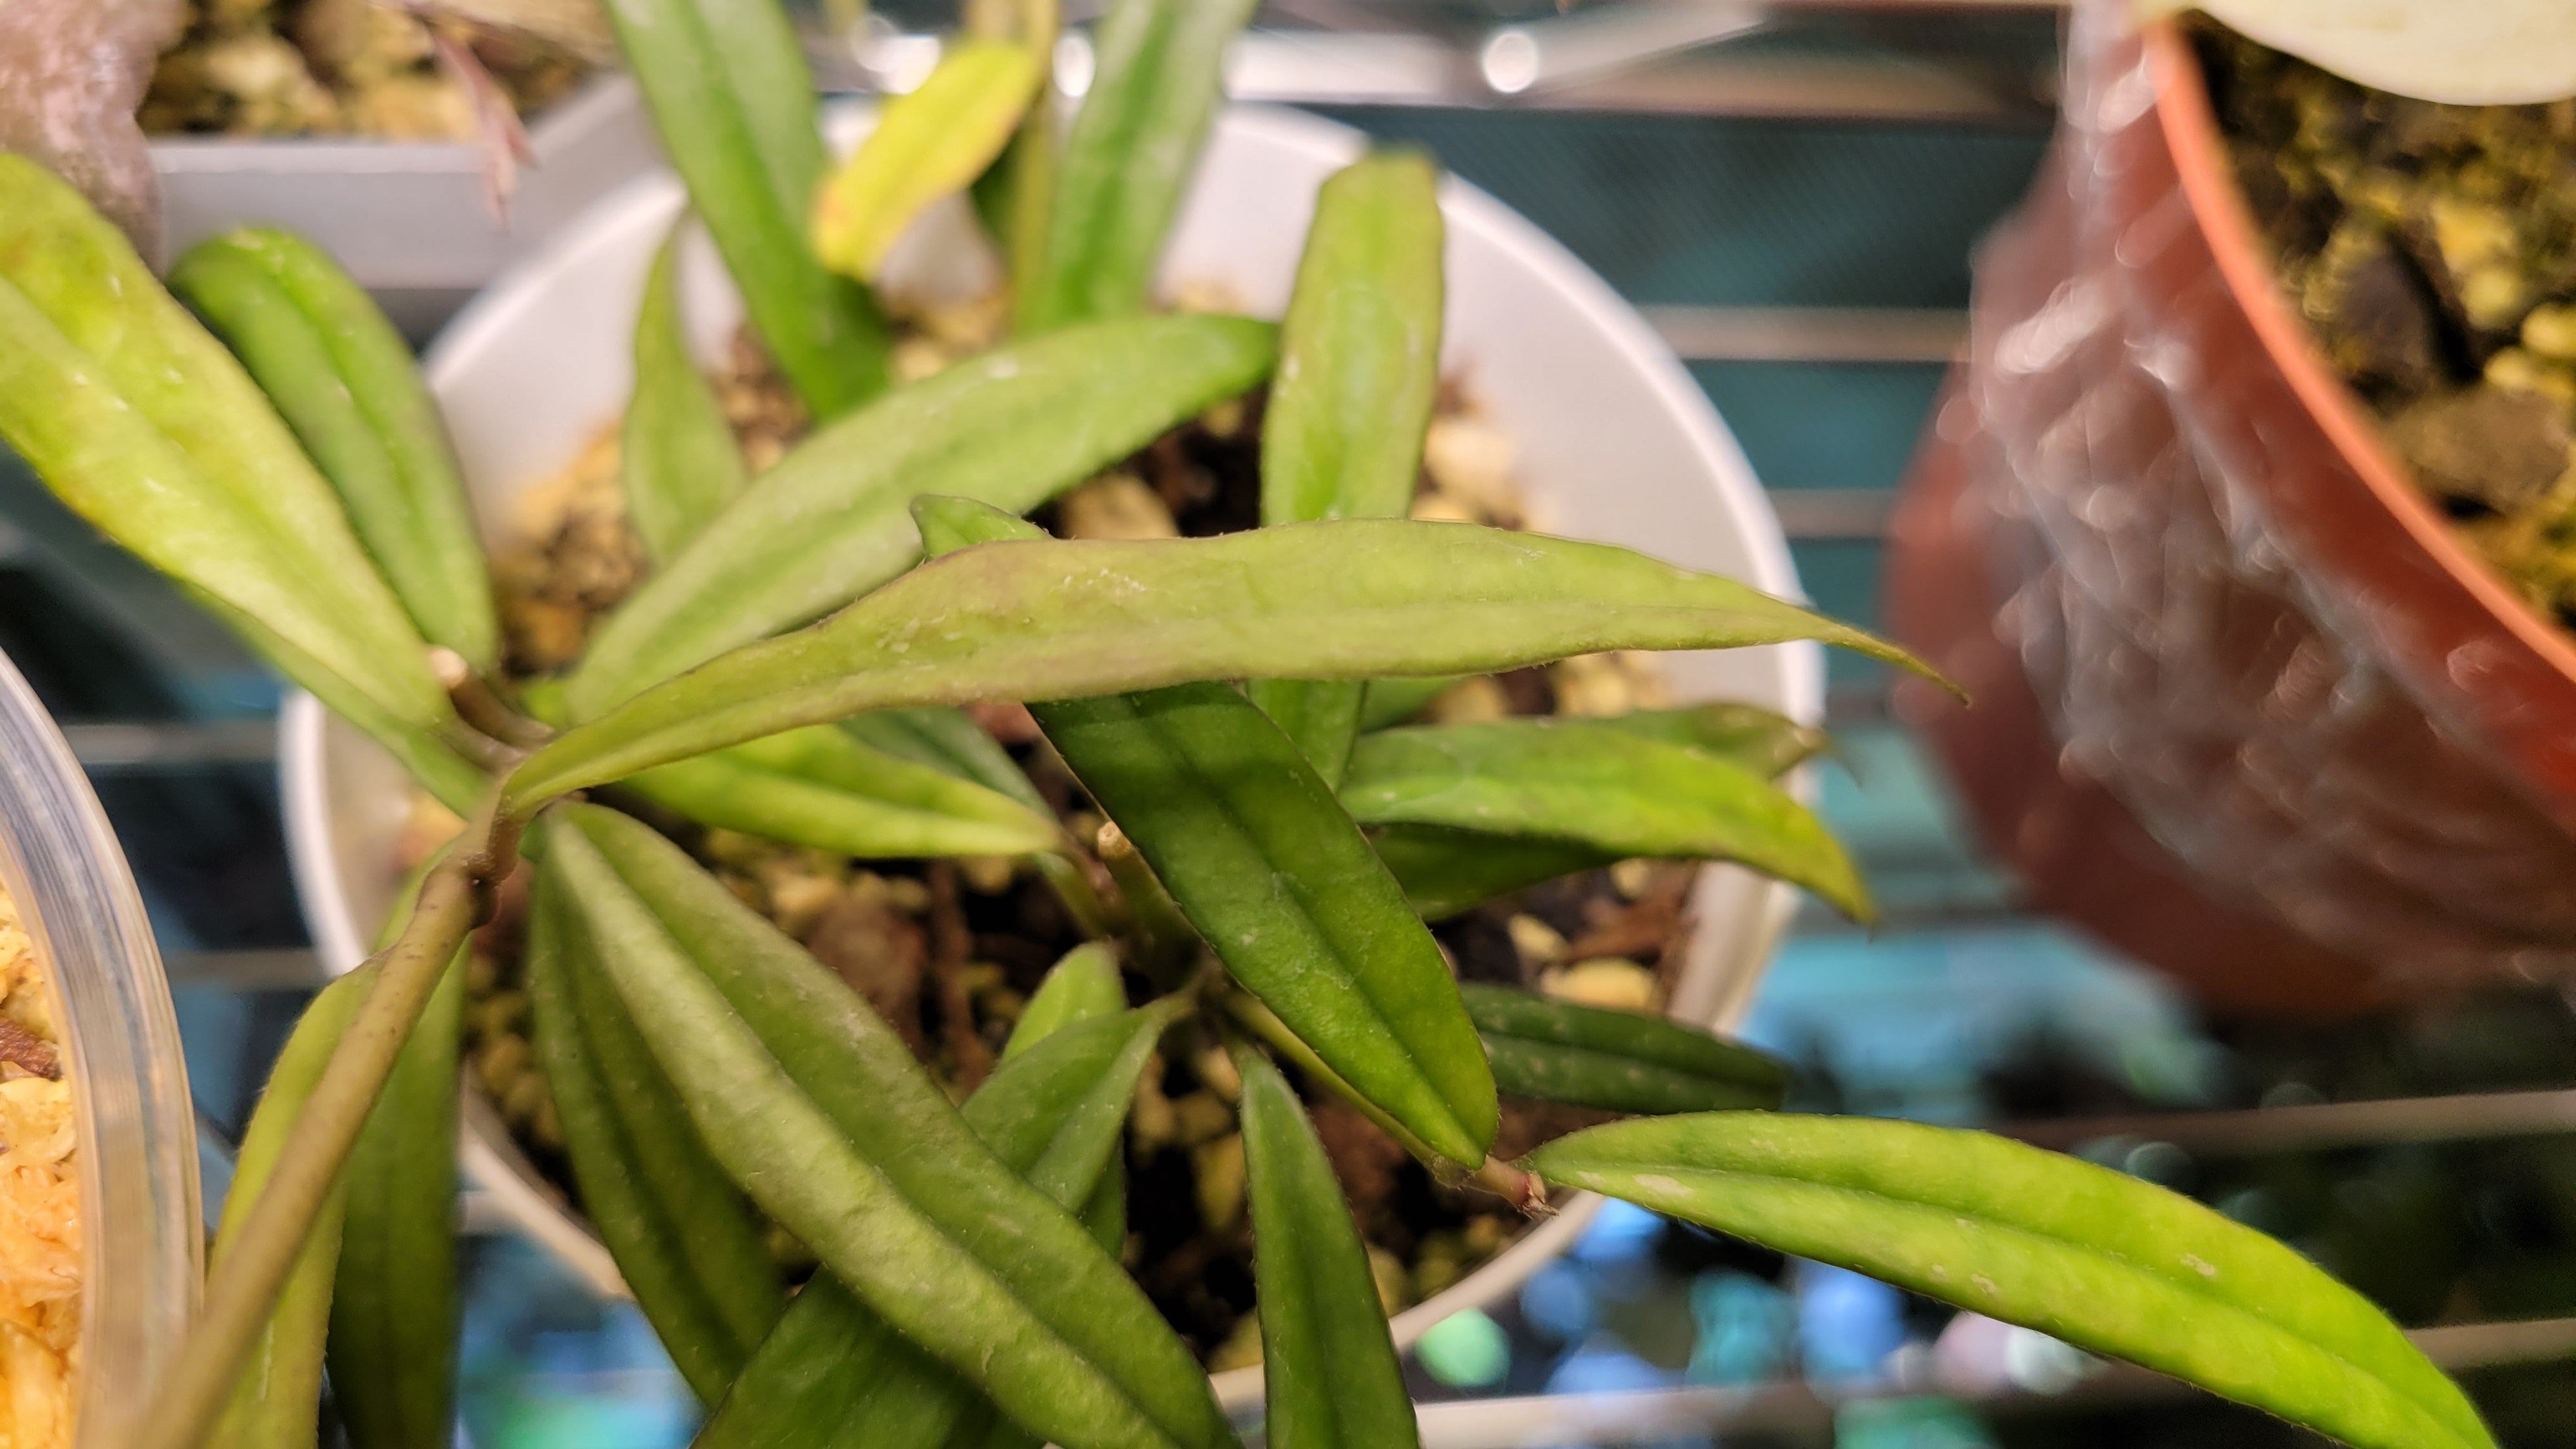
(2432, 251)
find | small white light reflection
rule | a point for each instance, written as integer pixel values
(1074, 65)
(1509, 60)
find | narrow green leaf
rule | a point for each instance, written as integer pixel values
(1273, 875)
(1286, 891)
(928, 143)
(279, 1396)
(676, 453)
(946, 739)
(814, 1106)
(2106, 1262)
(1391, 702)
(735, 105)
(1053, 619)
(1445, 872)
(1084, 985)
(395, 1309)
(834, 1372)
(828, 523)
(1765, 742)
(1327, 1358)
(1016, 195)
(820, 786)
(344, 381)
(143, 424)
(1159, 73)
(682, 1237)
(1619, 1061)
(1601, 787)
(1359, 374)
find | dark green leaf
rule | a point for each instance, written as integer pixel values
(1618, 1061)
(2106, 1262)
(684, 1240)
(1445, 872)
(677, 453)
(813, 1104)
(1327, 1359)
(829, 522)
(1159, 74)
(736, 108)
(1596, 785)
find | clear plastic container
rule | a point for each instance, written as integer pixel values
(143, 1237)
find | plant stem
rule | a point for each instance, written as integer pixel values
(454, 899)
(1165, 940)
(1523, 1191)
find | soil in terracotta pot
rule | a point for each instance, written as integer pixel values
(2432, 250)
(949, 951)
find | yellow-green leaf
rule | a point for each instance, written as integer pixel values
(927, 144)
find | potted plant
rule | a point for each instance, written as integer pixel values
(1615, 444)
(1262, 869)
(2256, 709)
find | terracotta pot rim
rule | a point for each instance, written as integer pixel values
(2189, 124)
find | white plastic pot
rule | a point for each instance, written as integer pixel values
(1616, 443)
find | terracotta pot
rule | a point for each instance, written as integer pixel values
(2247, 709)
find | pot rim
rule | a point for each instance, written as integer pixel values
(1721, 966)
(2188, 123)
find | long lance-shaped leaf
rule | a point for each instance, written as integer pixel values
(814, 1106)
(949, 740)
(735, 105)
(394, 1302)
(1278, 881)
(1359, 374)
(835, 1372)
(822, 787)
(676, 453)
(1051, 619)
(1598, 786)
(1016, 195)
(279, 1394)
(683, 1239)
(1082, 986)
(829, 522)
(928, 143)
(1768, 743)
(1327, 1359)
(2106, 1262)
(1619, 1061)
(1135, 143)
(344, 380)
(1445, 871)
(143, 424)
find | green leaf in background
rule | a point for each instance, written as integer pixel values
(1618, 1061)
(1327, 1358)
(1016, 195)
(676, 455)
(1602, 787)
(1359, 374)
(820, 786)
(143, 424)
(1048, 619)
(1445, 872)
(1157, 78)
(1246, 837)
(834, 1372)
(1082, 986)
(278, 1398)
(1011, 427)
(344, 380)
(687, 1245)
(395, 1309)
(1763, 741)
(928, 143)
(1391, 702)
(814, 1106)
(735, 105)
(2106, 1262)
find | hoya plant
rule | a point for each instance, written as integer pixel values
(796, 666)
